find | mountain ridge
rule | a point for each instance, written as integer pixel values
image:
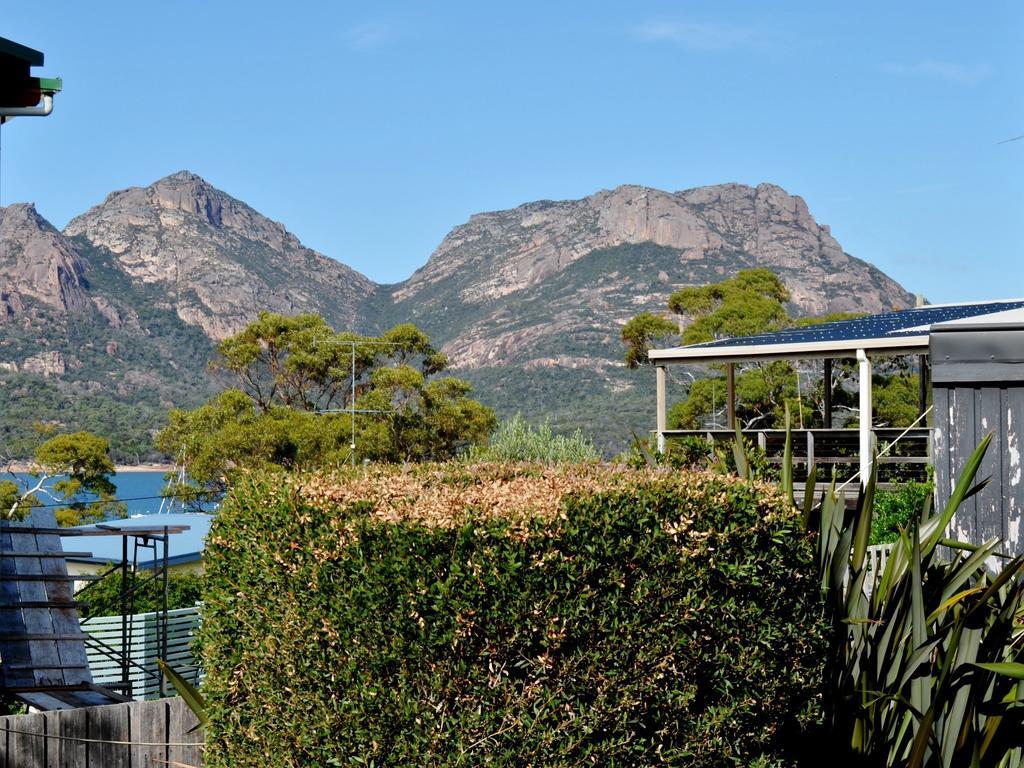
(527, 302)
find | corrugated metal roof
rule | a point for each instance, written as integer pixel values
(901, 332)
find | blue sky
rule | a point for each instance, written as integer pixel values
(372, 129)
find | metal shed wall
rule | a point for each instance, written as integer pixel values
(978, 388)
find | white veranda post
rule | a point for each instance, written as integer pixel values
(864, 384)
(660, 370)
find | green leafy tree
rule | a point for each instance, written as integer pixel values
(895, 399)
(72, 470)
(641, 333)
(754, 301)
(751, 302)
(292, 381)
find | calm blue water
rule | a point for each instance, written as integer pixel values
(130, 485)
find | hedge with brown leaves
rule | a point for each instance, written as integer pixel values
(508, 616)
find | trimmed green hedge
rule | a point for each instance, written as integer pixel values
(509, 617)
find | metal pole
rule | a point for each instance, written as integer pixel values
(922, 384)
(125, 645)
(352, 406)
(661, 420)
(163, 615)
(826, 416)
(864, 382)
(730, 386)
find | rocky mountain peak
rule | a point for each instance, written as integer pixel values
(219, 260)
(37, 265)
(503, 252)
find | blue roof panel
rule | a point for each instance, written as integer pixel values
(903, 323)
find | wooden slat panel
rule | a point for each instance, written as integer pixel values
(182, 720)
(39, 553)
(1013, 421)
(13, 622)
(65, 621)
(963, 440)
(71, 723)
(112, 724)
(989, 504)
(153, 718)
(29, 743)
(37, 621)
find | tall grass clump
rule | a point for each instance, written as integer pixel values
(517, 440)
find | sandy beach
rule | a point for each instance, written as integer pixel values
(121, 469)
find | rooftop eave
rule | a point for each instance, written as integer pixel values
(903, 345)
(21, 52)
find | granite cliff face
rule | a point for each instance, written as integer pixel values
(580, 266)
(126, 304)
(218, 261)
(40, 271)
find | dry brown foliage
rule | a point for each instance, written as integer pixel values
(443, 495)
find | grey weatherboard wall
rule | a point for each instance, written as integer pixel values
(978, 387)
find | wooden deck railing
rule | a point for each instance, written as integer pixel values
(907, 453)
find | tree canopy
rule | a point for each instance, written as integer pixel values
(291, 382)
(754, 301)
(72, 471)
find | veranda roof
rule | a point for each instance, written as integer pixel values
(889, 333)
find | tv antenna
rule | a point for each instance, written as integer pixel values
(352, 410)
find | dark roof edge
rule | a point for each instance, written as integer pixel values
(23, 52)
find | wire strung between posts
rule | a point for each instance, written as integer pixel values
(185, 495)
(890, 446)
(86, 740)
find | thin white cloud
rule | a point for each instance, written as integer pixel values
(696, 36)
(940, 70)
(369, 34)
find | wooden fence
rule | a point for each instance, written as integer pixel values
(138, 734)
(105, 643)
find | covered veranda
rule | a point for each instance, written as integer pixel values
(864, 339)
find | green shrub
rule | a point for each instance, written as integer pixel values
(517, 440)
(506, 616)
(896, 510)
(103, 597)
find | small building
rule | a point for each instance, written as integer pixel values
(978, 386)
(185, 553)
(20, 92)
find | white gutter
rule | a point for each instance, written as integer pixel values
(42, 111)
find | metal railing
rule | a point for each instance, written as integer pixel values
(146, 642)
(908, 456)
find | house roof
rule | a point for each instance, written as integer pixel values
(184, 547)
(21, 52)
(889, 333)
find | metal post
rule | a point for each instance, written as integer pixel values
(661, 415)
(125, 608)
(826, 416)
(352, 407)
(730, 386)
(922, 384)
(864, 383)
(163, 614)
